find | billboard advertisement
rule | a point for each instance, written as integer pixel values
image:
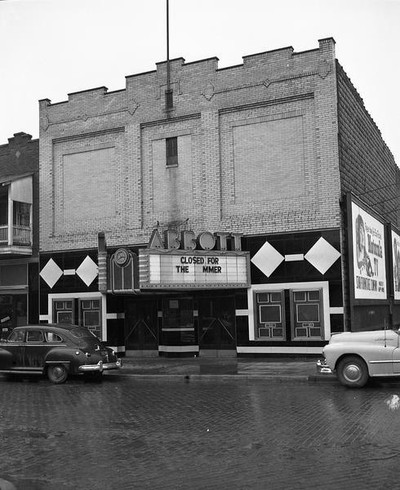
(368, 255)
(396, 264)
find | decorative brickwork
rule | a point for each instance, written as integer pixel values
(257, 148)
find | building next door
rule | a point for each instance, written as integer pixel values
(141, 325)
(217, 329)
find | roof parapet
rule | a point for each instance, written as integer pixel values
(273, 56)
(283, 57)
(94, 92)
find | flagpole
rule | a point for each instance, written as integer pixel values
(168, 67)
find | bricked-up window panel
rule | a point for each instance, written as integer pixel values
(269, 160)
(171, 146)
(88, 188)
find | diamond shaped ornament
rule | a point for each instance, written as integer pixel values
(322, 255)
(51, 273)
(267, 259)
(87, 271)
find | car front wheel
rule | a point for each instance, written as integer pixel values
(57, 374)
(352, 372)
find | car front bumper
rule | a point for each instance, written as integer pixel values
(107, 366)
(100, 366)
(91, 368)
(322, 367)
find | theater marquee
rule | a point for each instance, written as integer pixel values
(178, 269)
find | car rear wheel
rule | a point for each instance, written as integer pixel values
(352, 372)
(57, 374)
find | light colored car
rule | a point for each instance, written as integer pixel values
(57, 351)
(357, 356)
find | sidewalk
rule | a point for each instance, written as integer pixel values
(212, 368)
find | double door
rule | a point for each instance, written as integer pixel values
(180, 320)
(289, 315)
(141, 332)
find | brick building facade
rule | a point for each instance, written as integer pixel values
(19, 232)
(215, 223)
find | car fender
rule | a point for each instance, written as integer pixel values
(64, 356)
(333, 362)
(377, 357)
(5, 358)
(72, 358)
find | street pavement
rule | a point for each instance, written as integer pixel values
(165, 432)
(253, 424)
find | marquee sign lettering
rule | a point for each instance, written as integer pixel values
(187, 240)
(208, 261)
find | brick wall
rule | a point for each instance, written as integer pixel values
(367, 167)
(282, 101)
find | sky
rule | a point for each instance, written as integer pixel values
(50, 48)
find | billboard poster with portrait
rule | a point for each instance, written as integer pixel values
(369, 255)
(396, 264)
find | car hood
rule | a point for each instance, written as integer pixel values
(367, 336)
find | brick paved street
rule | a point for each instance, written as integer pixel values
(127, 433)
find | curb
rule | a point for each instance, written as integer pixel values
(224, 377)
(324, 378)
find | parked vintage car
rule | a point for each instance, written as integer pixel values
(357, 356)
(55, 350)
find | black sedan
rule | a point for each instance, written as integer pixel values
(55, 350)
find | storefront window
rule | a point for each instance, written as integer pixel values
(13, 312)
(14, 275)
